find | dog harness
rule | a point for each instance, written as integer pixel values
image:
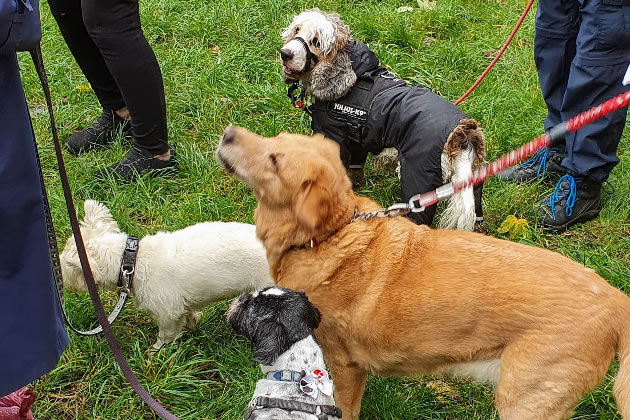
(321, 411)
(310, 383)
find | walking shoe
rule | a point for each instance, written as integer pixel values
(138, 162)
(100, 133)
(546, 161)
(574, 200)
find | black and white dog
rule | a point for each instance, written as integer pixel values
(279, 324)
(365, 108)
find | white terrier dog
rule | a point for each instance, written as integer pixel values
(176, 273)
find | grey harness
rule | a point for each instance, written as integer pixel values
(321, 411)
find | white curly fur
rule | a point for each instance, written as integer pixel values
(177, 273)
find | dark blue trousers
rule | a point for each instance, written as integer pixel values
(32, 335)
(582, 51)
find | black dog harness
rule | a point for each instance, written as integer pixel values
(346, 119)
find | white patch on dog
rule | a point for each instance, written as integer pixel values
(273, 291)
(483, 370)
(460, 211)
(177, 273)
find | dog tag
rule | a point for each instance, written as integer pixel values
(626, 78)
(316, 381)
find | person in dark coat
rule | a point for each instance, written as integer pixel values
(31, 328)
(582, 51)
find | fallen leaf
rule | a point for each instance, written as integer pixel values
(426, 4)
(84, 88)
(443, 390)
(515, 228)
(38, 110)
(215, 49)
(490, 54)
(404, 9)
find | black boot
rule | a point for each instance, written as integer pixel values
(102, 131)
(136, 163)
(544, 163)
(574, 200)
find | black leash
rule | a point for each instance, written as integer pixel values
(36, 54)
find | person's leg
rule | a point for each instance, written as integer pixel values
(602, 57)
(113, 119)
(114, 26)
(556, 29)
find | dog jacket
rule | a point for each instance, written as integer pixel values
(382, 111)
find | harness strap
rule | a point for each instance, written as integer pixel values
(321, 411)
(309, 55)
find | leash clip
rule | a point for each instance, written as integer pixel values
(297, 99)
(398, 209)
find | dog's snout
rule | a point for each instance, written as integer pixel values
(286, 54)
(229, 134)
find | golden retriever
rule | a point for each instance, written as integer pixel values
(395, 300)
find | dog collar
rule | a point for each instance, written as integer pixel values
(127, 265)
(285, 375)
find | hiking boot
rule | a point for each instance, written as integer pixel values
(136, 163)
(99, 134)
(545, 162)
(574, 200)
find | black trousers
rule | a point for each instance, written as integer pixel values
(106, 40)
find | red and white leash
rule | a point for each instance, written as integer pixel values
(419, 202)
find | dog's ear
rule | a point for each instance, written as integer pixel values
(310, 314)
(341, 35)
(270, 340)
(98, 217)
(312, 205)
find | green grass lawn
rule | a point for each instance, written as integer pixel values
(220, 64)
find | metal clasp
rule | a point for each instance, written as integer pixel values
(398, 209)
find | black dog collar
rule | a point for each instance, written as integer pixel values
(128, 264)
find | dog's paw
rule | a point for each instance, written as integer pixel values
(192, 320)
(385, 162)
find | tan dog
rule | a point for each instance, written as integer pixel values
(395, 300)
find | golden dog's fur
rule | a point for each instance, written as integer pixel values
(395, 299)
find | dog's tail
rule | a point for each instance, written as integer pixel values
(622, 381)
(464, 151)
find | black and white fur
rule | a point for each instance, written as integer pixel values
(279, 325)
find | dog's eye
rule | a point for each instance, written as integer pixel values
(297, 29)
(315, 42)
(274, 160)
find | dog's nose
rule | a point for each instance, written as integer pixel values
(229, 134)
(286, 55)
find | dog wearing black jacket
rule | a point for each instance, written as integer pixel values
(366, 109)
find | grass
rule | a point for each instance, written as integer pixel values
(220, 65)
